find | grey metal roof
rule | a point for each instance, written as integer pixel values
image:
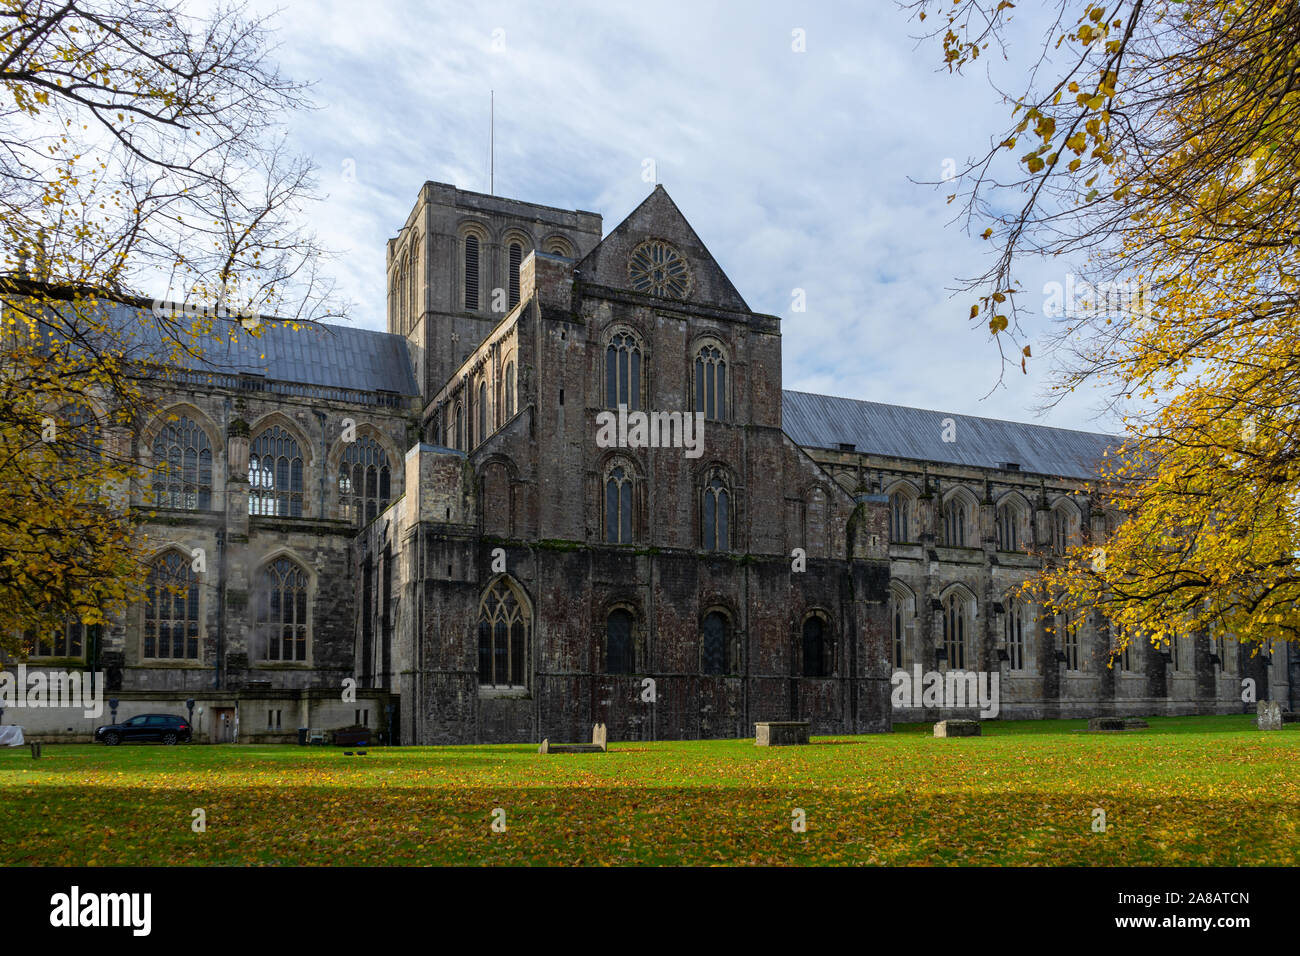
(332, 356)
(823, 421)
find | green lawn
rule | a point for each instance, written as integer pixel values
(1191, 790)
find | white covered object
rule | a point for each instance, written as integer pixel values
(11, 735)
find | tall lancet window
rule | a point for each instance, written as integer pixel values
(711, 383)
(618, 505)
(623, 372)
(716, 513)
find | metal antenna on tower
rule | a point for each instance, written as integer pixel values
(492, 142)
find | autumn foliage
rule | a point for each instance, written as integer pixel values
(142, 156)
(1159, 147)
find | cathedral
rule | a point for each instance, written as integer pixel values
(566, 487)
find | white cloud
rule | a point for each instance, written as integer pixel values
(795, 168)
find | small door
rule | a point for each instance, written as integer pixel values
(223, 726)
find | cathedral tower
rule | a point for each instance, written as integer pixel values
(453, 269)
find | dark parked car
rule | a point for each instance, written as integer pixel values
(162, 728)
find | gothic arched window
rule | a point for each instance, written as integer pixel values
(81, 434)
(510, 390)
(623, 372)
(1067, 625)
(401, 294)
(1009, 526)
(900, 516)
(275, 474)
(618, 505)
(364, 481)
(1122, 657)
(902, 609)
(956, 629)
(504, 623)
(471, 273)
(814, 646)
(415, 284)
(955, 516)
(1063, 529)
(482, 413)
(65, 641)
(171, 617)
(716, 513)
(459, 428)
(282, 611)
(1013, 631)
(620, 657)
(711, 383)
(182, 475)
(715, 639)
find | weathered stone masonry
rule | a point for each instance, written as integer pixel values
(474, 560)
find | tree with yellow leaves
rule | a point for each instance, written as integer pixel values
(1160, 144)
(141, 149)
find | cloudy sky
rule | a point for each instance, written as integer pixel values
(797, 168)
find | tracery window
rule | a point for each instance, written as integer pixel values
(956, 629)
(1013, 624)
(1068, 625)
(716, 513)
(69, 640)
(282, 611)
(171, 619)
(656, 268)
(900, 516)
(182, 473)
(275, 468)
(711, 383)
(955, 516)
(1008, 526)
(504, 626)
(364, 481)
(618, 505)
(623, 372)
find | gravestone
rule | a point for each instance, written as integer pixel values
(1105, 723)
(597, 745)
(781, 733)
(1268, 715)
(1112, 724)
(957, 728)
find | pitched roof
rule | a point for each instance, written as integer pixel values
(657, 217)
(824, 421)
(321, 354)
